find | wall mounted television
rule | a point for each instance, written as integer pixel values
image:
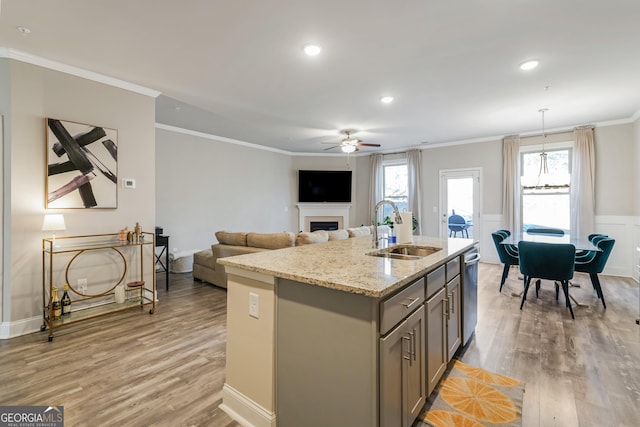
(322, 186)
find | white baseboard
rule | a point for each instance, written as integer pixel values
(20, 327)
(244, 410)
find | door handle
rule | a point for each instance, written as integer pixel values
(413, 341)
(405, 357)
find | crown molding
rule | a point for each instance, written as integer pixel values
(217, 138)
(75, 71)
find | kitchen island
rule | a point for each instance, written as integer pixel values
(311, 332)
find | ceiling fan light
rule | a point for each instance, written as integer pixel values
(348, 148)
(386, 99)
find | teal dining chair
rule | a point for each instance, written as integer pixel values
(550, 261)
(593, 263)
(508, 254)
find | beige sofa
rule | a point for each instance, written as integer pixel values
(207, 269)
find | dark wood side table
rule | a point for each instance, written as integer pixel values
(164, 242)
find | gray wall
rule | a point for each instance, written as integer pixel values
(37, 93)
(204, 185)
(241, 188)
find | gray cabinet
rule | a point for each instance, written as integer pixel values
(444, 327)
(454, 307)
(436, 350)
(402, 358)
(454, 324)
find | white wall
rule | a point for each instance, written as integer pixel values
(37, 93)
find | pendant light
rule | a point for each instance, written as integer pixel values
(544, 168)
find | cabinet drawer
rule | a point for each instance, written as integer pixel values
(399, 306)
(435, 280)
(453, 268)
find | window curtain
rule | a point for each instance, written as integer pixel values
(375, 185)
(414, 195)
(511, 193)
(582, 190)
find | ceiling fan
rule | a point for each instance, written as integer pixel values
(349, 144)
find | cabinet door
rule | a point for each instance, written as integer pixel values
(454, 325)
(402, 372)
(436, 339)
(414, 381)
(393, 348)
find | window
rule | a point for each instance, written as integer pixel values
(545, 196)
(395, 184)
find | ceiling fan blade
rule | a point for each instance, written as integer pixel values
(362, 144)
(331, 148)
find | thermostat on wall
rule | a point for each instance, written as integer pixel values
(128, 183)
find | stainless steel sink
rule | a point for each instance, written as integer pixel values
(405, 251)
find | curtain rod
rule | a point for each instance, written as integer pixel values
(557, 131)
(546, 133)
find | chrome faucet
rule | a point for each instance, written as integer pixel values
(398, 220)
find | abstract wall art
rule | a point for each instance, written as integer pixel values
(82, 166)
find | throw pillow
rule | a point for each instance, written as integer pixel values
(359, 231)
(307, 238)
(338, 234)
(229, 238)
(271, 240)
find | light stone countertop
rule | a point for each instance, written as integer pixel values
(344, 265)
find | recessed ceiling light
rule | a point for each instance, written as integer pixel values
(529, 65)
(312, 49)
(386, 99)
(24, 30)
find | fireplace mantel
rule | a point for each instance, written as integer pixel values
(322, 210)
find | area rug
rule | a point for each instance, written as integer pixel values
(473, 397)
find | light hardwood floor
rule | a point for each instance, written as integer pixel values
(167, 369)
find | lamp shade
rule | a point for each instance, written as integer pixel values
(53, 222)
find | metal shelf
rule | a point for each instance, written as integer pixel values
(104, 304)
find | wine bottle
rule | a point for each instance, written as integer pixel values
(55, 303)
(66, 301)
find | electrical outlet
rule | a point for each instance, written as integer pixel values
(82, 285)
(254, 305)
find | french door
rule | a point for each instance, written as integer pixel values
(460, 203)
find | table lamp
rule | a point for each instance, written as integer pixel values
(53, 222)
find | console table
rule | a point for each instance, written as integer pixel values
(164, 242)
(58, 258)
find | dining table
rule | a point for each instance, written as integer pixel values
(580, 243)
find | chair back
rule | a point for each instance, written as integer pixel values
(502, 253)
(596, 239)
(545, 230)
(594, 235)
(457, 223)
(505, 233)
(600, 260)
(551, 261)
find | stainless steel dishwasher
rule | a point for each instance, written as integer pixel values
(470, 293)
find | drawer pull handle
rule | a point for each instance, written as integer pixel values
(413, 301)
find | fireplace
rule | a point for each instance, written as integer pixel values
(314, 223)
(323, 225)
(323, 216)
